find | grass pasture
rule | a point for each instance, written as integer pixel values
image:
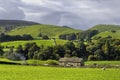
(38, 42)
(105, 27)
(17, 72)
(109, 33)
(115, 64)
(50, 30)
(24, 72)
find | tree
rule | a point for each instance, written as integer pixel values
(106, 49)
(86, 35)
(40, 35)
(30, 49)
(1, 51)
(62, 36)
(74, 54)
(47, 53)
(69, 46)
(33, 48)
(81, 48)
(45, 37)
(91, 58)
(27, 37)
(99, 54)
(113, 31)
(71, 36)
(19, 49)
(59, 49)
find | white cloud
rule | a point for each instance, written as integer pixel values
(80, 14)
(9, 9)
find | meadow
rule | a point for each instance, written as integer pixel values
(38, 42)
(49, 30)
(114, 35)
(18, 72)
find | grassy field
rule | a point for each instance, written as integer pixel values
(103, 62)
(103, 27)
(110, 64)
(115, 35)
(38, 42)
(17, 72)
(87, 63)
(50, 30)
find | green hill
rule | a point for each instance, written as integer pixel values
(7, 25)
(50, 30)
(115, 34)
(105, 27)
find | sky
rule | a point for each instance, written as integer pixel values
(79, 14)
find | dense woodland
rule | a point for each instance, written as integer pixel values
(99, 49)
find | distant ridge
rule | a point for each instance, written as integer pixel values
(6, 23)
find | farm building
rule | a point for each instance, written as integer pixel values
(75, 62)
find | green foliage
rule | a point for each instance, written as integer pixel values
(52, 62)
(59, 49)
(45, 37)
(5, 38)
(1, 50)
(87, 35)
(91, 58)
(101, 49)
(69, 46)
(19, 49)
(71, 36)
(43, 63)
(40, 35)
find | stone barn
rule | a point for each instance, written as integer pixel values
(75, 62)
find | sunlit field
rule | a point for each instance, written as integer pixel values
(18, 72)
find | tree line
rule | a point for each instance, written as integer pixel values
(6, 38)
(100, 49)
(84, 35)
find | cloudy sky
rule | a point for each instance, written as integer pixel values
(79, 14)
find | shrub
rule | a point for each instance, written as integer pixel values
(45, 37)
(52, 62)
(91, 58)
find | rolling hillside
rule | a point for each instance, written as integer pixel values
(105, 27)
(7, 25)
(10, 23)
(50, 30)
(115, 35)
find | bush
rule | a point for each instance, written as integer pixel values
(113, 31)
(91, 58)
(39, 62)
(45, 37)
(52, 62)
